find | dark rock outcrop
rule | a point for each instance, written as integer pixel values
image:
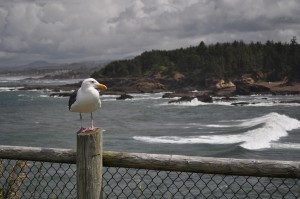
(124, 96)
(285, 92)
(291, 102)
(240, 103)
(182, 99)
(205, 98)
(172, 95)
(202, 98)
(132, 85)
(243, 88)
(226, 99)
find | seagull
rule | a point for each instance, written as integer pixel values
(86, 100)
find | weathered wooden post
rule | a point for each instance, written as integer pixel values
(89, 164)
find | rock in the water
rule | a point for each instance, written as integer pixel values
(205, 98)
(170, 95)
(291, 101)
(124, 96)
(227, 99)
(243, 88)
(182, 99)
(240, 103)
(188, 98)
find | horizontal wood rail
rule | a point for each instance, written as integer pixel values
(225, 166)
(38, 154)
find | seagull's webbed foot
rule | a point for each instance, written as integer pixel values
(85, 130)
(81, 130)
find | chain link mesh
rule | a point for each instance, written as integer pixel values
(31, 179)
(140, 183)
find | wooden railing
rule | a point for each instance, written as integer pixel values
(89, 157)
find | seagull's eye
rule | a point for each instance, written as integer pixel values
(93, 82)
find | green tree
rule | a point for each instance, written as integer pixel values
(275, 60)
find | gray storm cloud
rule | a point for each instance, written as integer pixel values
(65, 31)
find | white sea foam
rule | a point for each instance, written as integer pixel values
(109, 96)
(273, 103)
(193, 102)
(251, 101)
(13, 78)
(108, 99)
(217, 125)
(4, 89)
(273, 127)
(44, 95)
(285, 145)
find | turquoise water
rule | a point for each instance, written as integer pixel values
(266, 129)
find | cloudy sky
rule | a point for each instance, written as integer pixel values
(80, 30)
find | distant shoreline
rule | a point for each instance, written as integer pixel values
(118, 86)
(280, 87)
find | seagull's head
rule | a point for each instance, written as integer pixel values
(90, 82)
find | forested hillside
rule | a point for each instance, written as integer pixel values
(270, 61)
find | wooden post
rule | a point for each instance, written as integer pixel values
(89, 164)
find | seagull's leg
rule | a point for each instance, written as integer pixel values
(81, 121)
(81, 128)
(92, 128)
(92, 120)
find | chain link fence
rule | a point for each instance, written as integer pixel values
(140, 183)
(34, 179)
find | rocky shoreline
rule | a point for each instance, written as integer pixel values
(183, 90)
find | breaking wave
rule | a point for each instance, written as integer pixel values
(268, 129)
(246, 103)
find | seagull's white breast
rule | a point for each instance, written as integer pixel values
(87, 100)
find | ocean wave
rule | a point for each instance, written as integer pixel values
(248, 103)
(271, 128)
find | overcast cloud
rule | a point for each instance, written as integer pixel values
(81, 30)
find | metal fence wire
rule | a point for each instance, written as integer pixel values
(140, 183)
(33, 179)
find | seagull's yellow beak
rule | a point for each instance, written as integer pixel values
(102, 86)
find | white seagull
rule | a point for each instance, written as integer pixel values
(86, 100)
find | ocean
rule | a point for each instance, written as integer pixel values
(264, 129)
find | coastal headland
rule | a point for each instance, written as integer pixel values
(177, 88)
(221, 69)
